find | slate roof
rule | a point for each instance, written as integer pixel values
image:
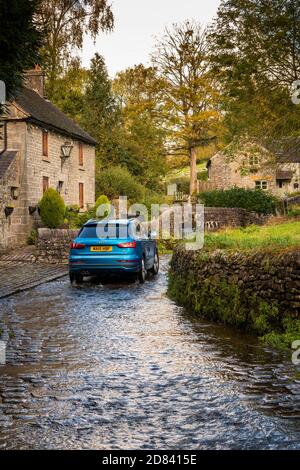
(6, 159)
(286, 150)
(45, 114)
(284, 175)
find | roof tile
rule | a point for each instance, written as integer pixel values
(6, 159)
(44, 113)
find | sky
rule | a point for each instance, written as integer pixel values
(137, 23)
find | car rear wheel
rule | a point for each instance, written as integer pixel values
(76, 278)
(143, 272)
(154, 270)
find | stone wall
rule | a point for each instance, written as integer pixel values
(254, 291)
(69, 172)
(26, 174)
(221, 217)
(15, 228)
(244, 165)
(215, 218)
(229, 170)
(53, 245)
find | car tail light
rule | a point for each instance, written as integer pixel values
(77, 246)
(127, 245)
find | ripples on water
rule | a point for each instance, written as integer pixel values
(121, 366)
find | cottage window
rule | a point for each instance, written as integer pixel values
(253, 160)
(296, 185)
(81, 195)
(60, 186)
(261, 185)
(45, 183)
(45, 144)
(80, 154)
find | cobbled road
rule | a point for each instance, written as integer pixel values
(122, 367)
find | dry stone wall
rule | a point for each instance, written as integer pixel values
(53, 245)
(255, 291)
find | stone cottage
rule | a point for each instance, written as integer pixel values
(40, 148)
(273, 167)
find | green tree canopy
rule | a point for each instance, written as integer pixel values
(255, 47)
(66, 23)
(19, 41)
(190, 91)
(69, 90)
(138, 91)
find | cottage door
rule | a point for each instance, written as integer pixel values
(81, 196)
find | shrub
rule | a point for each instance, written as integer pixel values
(294, 211)
(102, 200)
(75, 209)
(117, 181)
(255, 200)
(84, 217)
(52, 208)
(32, 237)
(203, 175)
(71, 216)
(152, 197)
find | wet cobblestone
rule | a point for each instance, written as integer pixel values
(17, 276)
(122, 367)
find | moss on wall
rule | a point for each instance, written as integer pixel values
(246, 291)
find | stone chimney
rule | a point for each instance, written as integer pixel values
(34, 79)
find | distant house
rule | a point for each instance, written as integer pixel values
(43, 148)
(273, 167)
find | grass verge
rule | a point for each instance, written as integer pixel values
(254, 237)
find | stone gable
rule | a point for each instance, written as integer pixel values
(26, 173)
(252, 165)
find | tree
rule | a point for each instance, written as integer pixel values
(100, 104)
(123, 118)
(190, 92)
(66, 23)
(139, 92)
(19, 42)
(116, 181)
(69, 91)
(101, 114)
(255, 47)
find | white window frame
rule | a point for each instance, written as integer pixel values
(262, 184)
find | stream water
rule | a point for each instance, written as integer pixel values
(122, 367)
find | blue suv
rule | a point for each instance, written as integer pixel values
(113, 247)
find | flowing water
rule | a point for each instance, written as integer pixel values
(123, 367)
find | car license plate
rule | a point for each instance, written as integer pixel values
(101, 249)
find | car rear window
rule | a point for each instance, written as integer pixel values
(104, 231)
